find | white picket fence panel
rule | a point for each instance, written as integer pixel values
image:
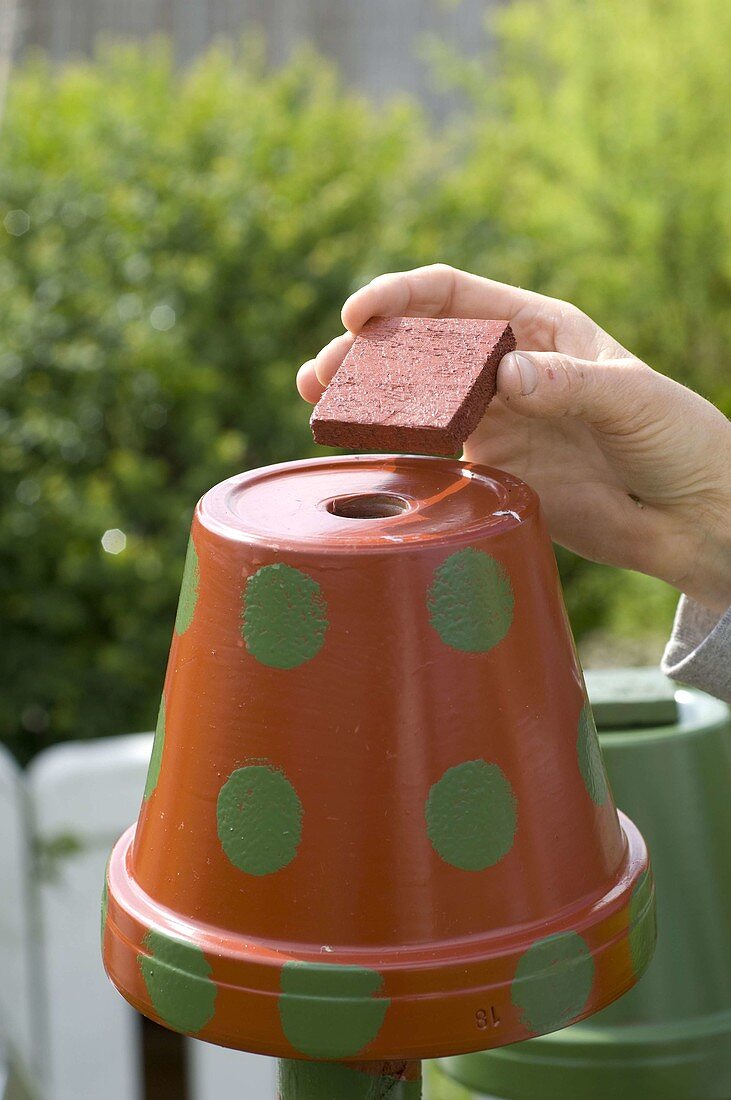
(58, 1011)
(218, 1074)
(16, 980)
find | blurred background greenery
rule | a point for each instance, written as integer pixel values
(174, 242)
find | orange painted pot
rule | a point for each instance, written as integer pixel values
(377, 823)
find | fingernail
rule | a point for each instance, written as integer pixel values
(528, 374)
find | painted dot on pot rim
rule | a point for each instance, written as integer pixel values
(642, 926)
(591, 761)
(553, 982)
(471, 815)
(330, 1011)
(470, 601)
(158, 744)
(284, 618)
(188, 590)
(259, 817)
(177, 979)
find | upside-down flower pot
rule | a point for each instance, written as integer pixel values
(668, 753)
(377, 824)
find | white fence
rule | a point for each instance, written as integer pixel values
(66, 1031)
(377, 43)
(66, 1026)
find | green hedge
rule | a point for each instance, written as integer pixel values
(174, 244)
(595, 167)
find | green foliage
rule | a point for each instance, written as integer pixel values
(442, 1087)
(173, 245)
(51, 854)
(594, 165)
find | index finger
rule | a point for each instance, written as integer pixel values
(540, 323)
(438, 291)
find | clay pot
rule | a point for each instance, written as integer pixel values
(377, 823)
(668, 753)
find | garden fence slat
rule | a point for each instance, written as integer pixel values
(215, 1072)
(377, 44)
(16, 974)
(83, 796)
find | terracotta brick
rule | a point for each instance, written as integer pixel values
(413, 384)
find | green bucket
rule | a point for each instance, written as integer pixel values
(668, 754)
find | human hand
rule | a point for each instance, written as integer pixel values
(632, 468)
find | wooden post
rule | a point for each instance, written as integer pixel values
(299, 1080)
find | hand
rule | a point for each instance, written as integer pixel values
(632, 468)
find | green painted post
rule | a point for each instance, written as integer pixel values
(299, 1080)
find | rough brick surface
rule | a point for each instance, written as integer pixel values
(413, 384)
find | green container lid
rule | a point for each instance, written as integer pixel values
(668, 755)
(631, 698)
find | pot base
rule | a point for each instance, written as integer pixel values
(291, 1000)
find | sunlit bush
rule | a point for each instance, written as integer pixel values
(172, 246)
(594, 166)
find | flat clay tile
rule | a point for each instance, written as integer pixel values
(413, 384)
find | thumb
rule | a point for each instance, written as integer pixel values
(550, 385)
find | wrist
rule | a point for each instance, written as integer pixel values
(706, 562)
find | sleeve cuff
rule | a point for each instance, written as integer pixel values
(699, 650)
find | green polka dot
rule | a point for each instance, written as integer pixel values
(177, 979)
(284, 616)
(471, 815)
(642, 930)
(300, 1080)
(188, 590)
(553, 982)
(471, 601)
(591, 762)
(259, 820)
(153, 771)
(330, 1011)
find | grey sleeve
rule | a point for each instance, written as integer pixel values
(699, 650)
